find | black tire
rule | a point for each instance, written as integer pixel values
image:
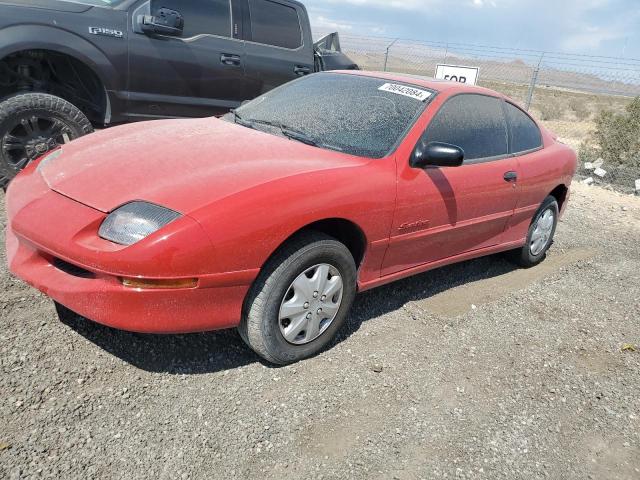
(524, 256)
(48, 120)
(260, 325)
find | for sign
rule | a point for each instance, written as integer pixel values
(457, 73)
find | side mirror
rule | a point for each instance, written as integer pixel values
(436, 154)
(165, 22)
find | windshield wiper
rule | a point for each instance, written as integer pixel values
(239, 120)
(252, 123)
(298, 136)
(290, 133)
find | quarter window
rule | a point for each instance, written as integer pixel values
(275, 24)
(472, 122)
(525, 134)
(209, 17)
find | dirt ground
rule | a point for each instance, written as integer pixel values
(487, 372)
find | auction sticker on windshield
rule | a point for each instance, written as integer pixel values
(412, 92)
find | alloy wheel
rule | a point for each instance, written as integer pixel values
(32, 136)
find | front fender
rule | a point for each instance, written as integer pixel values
(17, 38)
(247, 227)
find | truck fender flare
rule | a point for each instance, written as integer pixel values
(18, 38)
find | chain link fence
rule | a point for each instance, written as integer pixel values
(591, 102)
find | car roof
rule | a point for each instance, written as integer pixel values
(426, 82)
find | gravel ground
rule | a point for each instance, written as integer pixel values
(486, 372)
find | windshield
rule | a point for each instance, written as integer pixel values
(99, 3)
(354, 114)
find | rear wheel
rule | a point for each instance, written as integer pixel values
(540, 235)
(300, 300)
(31, 124)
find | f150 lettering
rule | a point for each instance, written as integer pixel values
(108, 32)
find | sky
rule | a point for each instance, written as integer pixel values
(597, 27)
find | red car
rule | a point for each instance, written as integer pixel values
(272, 218)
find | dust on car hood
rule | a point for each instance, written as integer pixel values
(180, 164)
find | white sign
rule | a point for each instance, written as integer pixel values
(457, 73)
(412, 92)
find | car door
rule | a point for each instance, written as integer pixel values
(278, 46)
(443, 212)
(538, 169)
(198, 73)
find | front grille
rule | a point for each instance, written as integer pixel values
(71, 269)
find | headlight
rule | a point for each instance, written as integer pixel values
(52, 156)
(134, 221)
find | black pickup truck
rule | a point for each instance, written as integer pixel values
(67, 66)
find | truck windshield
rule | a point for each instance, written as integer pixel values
(98, 3)
(354, 114)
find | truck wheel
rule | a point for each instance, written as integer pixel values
(31, 124)
(300, 300)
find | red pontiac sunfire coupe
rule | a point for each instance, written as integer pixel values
(273, 217)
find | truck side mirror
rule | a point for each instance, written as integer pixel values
(436, 154)
(164, 22)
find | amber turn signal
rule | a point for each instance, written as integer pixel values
(146, 283)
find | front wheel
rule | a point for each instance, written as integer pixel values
(540, 235)
(31, 124)
(300, 300)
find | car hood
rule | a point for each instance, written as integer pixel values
(180, 164)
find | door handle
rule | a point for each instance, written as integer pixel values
(228, 59)
(300, 70)
(511, 176)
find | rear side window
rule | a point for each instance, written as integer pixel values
(275, 24)
(472, 122)
(525, 134)
(208, 17)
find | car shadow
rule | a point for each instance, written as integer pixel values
(394, 296)
(211, 352)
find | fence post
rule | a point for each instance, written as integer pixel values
(386, 55)
(534, 80)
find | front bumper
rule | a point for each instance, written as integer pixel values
(52, 245)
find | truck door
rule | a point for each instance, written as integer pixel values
(279, 46)
(199, 72)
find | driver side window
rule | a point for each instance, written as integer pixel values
(474, 123)
(208, 17)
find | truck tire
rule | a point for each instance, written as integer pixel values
(31, 124)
